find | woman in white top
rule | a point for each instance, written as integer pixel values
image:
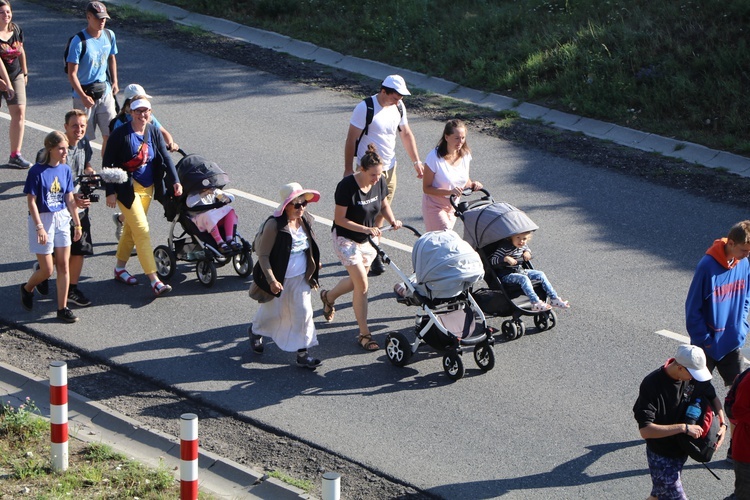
(447, 173)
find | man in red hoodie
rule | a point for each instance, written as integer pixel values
(718, 302)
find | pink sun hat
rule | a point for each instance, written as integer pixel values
(293, 190)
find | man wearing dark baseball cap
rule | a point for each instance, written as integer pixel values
(98, 9)
(660, 412)
(92, 71)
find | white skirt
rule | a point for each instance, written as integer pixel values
(288, 319)
(205, 221)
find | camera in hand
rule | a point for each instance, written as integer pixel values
(89, 182)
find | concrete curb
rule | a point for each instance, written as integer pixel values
(690, 152)
(89, 421)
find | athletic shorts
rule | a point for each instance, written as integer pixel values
(351, 253)
(391, 181)
(665, 476)
(57, 225)
(84, 246)
(729, 366)
(100, 114)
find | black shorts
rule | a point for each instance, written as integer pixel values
(729, 366)
(84, 246)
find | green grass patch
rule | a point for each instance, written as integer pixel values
(302, 484)
(673, 68)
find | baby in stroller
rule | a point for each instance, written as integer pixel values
(507, 262)
(208, 208)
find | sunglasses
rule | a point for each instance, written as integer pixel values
(299, 205)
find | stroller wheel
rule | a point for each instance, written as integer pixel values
(206, 272)
(166, 262)
(397, 348)
(484, 356)
(453, 366)
(243, 263)
(521, 327)
(545, 321)
(509, 329)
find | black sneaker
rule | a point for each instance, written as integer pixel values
(19, 162)
(377, 268)
(27, 298)
(43, 287)
(77, 297)
(66, 315)
(307, 361)
(256, 341)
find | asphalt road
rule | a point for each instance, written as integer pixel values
(552, 420)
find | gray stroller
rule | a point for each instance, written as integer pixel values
(486, 223)
(449, 319)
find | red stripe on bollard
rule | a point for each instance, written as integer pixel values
(189, 450)
(59, 433)
(188, 489)
(58, 395)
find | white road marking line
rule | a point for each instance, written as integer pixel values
(44, 129)
(318, 218)
(686, 340)
(247, 196)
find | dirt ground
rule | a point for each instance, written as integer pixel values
(241, 441)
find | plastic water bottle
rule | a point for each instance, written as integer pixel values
(693, 412)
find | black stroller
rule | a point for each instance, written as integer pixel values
(486, 223)
(449, 319)
(188, 243)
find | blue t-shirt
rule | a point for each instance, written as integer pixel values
(49, 185)
(126, 118)
(93, 66)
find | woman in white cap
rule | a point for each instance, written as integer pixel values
(360, 199)
(123, 117)
(139, 149)
(287, 269)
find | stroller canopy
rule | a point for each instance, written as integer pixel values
(445, 265)
(197, 173)
(494, 222)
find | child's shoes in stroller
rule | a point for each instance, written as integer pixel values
(400, 289)
(224, 248)
(236, 245)
(540, 306)
(558, 302)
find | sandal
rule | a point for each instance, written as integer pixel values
(367, 343)
(558, 302)
(540, 307)
(124, 276)
(328, 310)
(160, 288)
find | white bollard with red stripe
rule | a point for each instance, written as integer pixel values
(58, 409)
(188, 456)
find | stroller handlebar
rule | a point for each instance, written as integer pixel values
(469, 192)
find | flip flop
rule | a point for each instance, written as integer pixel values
(124, 276)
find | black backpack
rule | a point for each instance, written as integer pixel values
(368, 119)
(732, 394)
(702, 449)
(82, 36)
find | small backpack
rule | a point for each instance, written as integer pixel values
(702, 449)
(732, 394)
(368, 119)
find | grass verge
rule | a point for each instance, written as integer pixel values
(95, 470)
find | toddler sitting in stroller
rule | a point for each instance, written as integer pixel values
(208, 208)
(507, 261)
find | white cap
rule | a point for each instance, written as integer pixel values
(397, 83)
(140, 103)
(693, 359)
(133, 90)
